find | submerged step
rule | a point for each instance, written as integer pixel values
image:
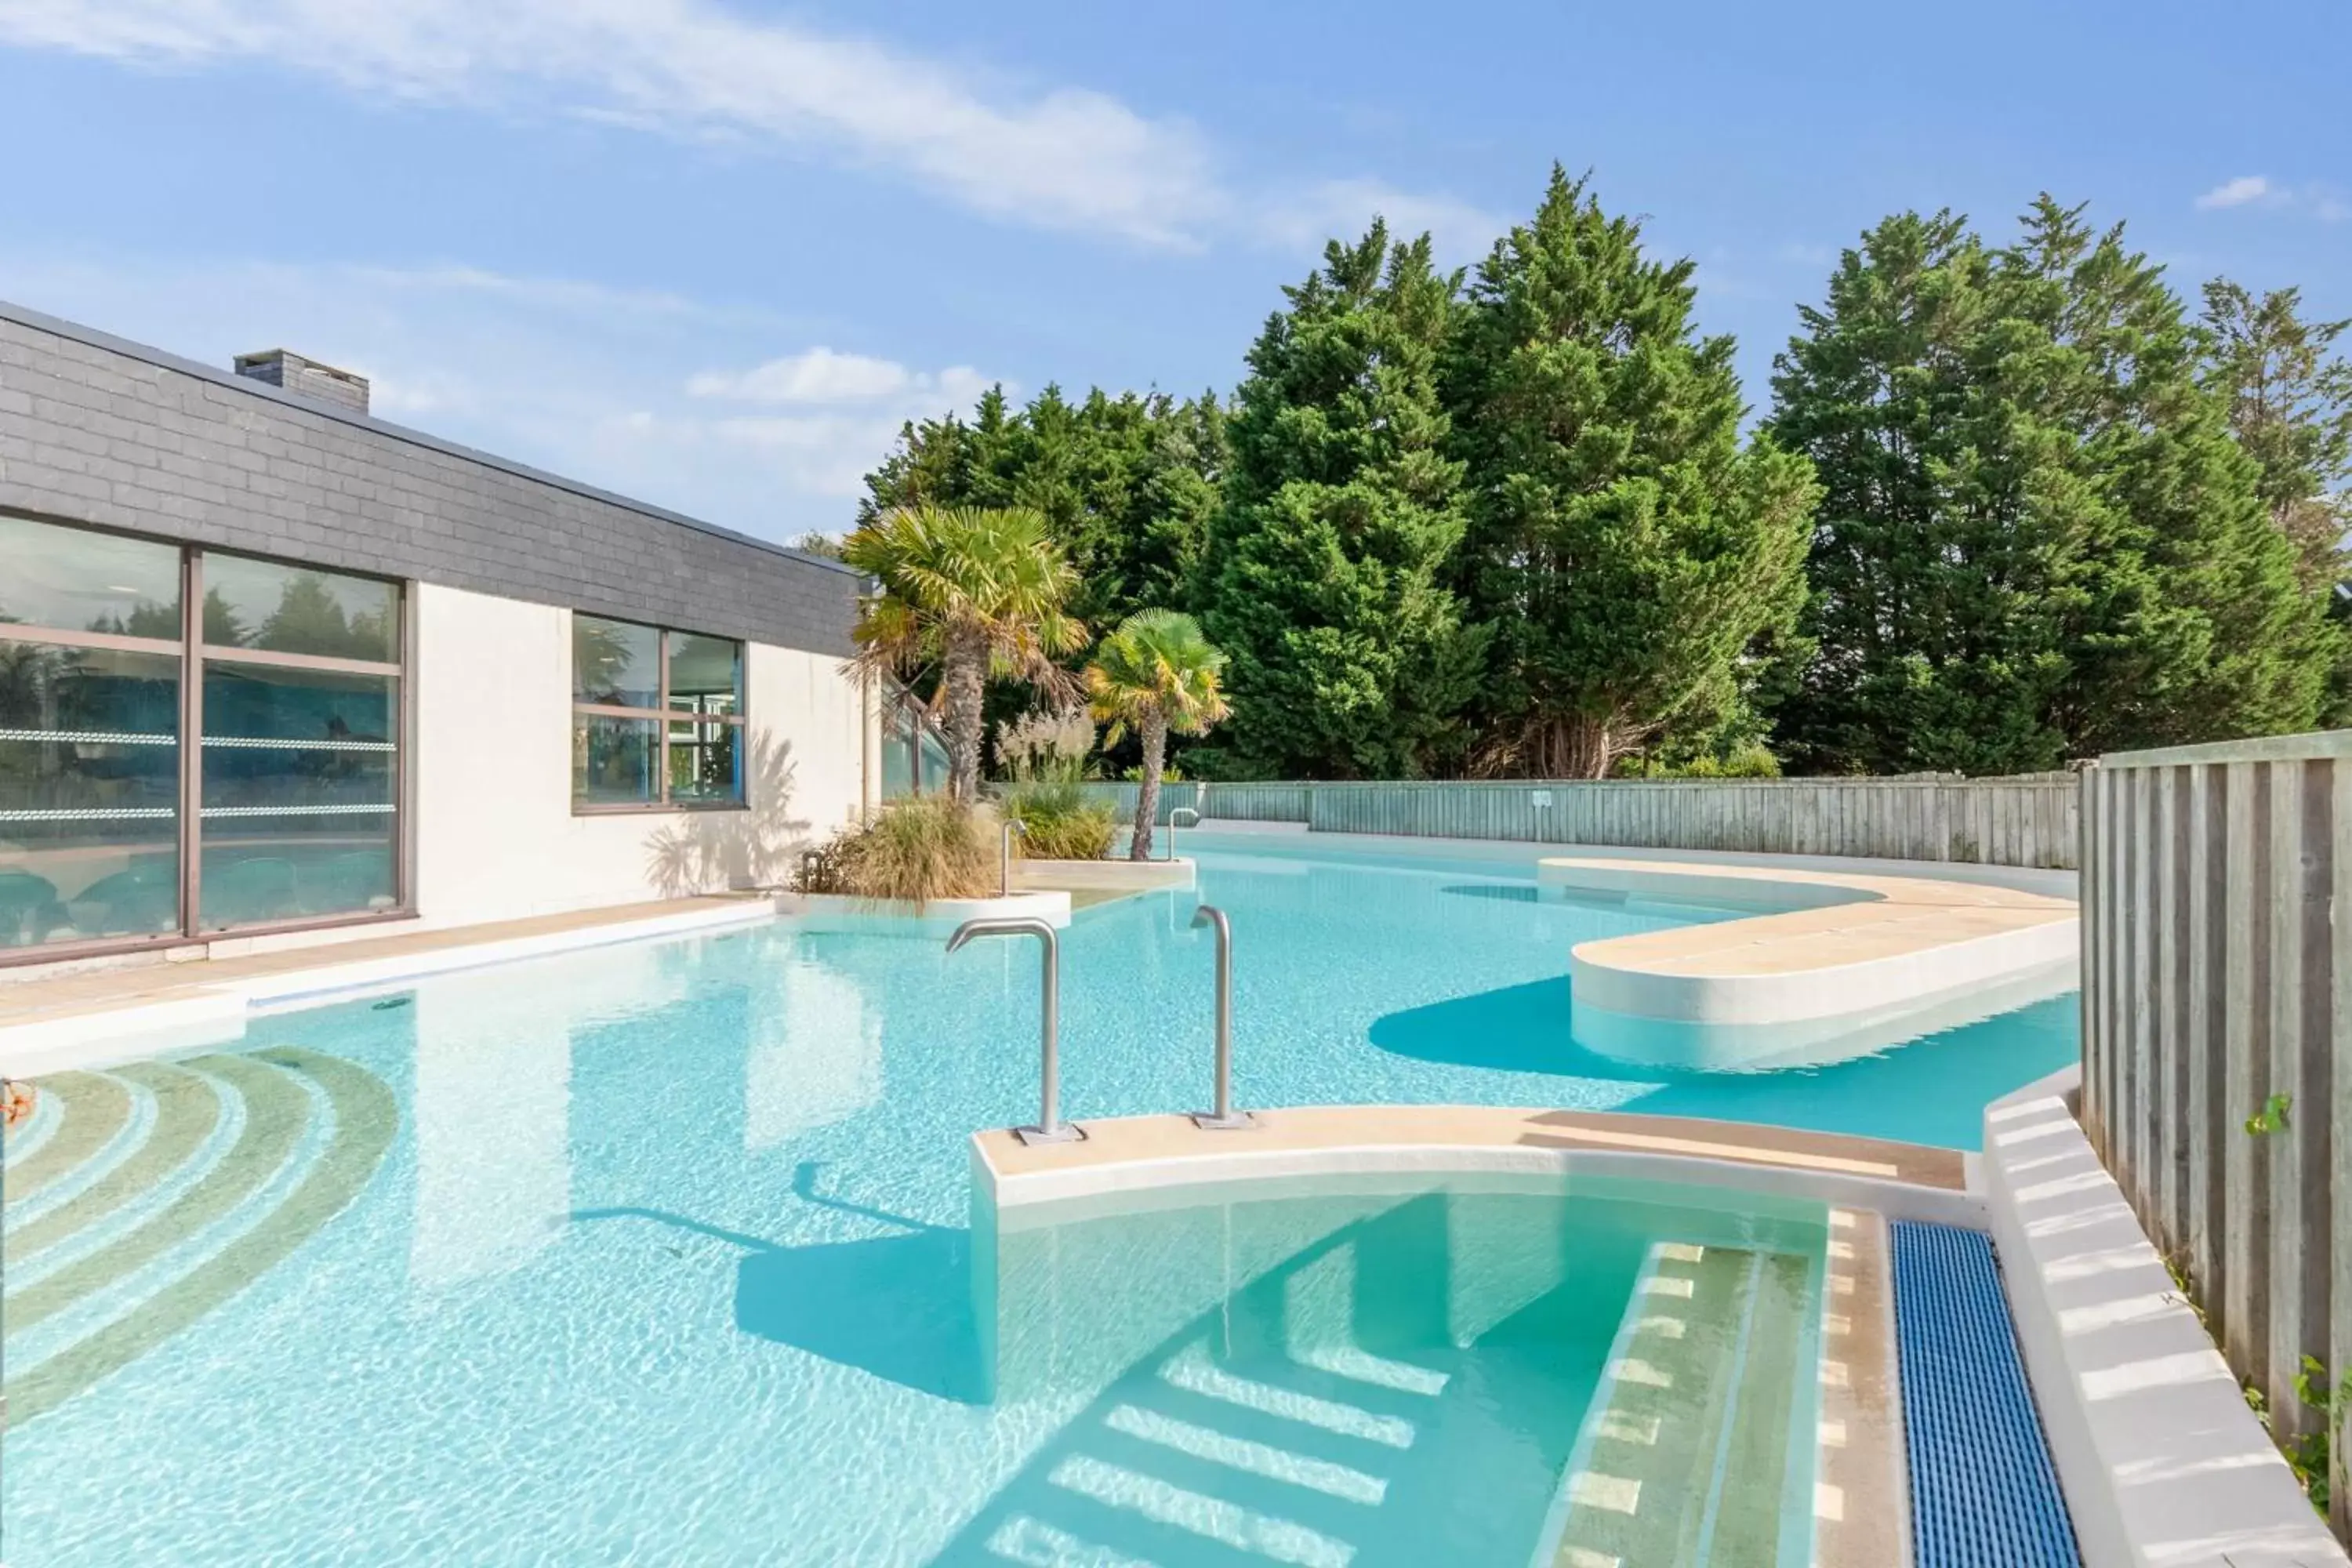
(1983, 1491)
(1685, 1456)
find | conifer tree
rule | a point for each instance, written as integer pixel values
(1126, 483)
(1623, 549)
(1325, 580)
(2290, 406)
(2037, 539)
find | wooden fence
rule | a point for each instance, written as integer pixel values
(2025, 821)
(2216, 993)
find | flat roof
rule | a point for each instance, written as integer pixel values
(41, 322)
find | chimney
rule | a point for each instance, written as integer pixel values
(291, 372)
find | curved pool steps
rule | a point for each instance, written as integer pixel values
(165, 1189)
(1688, 1455)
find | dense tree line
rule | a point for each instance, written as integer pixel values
(2010, 504)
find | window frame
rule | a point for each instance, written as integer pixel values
(662, 716)
(191, 653)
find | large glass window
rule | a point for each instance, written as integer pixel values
(634, 746)
(111, 828)
(300, 788)
(89, 794)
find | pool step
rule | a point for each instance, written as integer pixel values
(156, 1192)
(1384, 1397)
(1192, 1460)
(1686, 1454)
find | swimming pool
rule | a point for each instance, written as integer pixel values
(654, 1248)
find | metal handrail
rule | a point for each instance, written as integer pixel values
(1223, 1118)
(1014, 828)
(1050, 1127)
(1172, 816)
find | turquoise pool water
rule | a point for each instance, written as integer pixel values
(659, 1253)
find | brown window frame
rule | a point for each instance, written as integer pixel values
(663, 716)
(192, 652)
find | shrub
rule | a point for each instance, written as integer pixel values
(1058, 822)
(1749, 761)
(919, 848)
(1047, 747)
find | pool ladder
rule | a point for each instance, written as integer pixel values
(1049, 1127)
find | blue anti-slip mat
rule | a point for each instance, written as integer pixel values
(1983, 1493)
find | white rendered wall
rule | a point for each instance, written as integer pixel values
(495, 834)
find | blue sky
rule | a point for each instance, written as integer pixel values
(712, 253)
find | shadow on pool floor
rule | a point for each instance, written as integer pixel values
(1931, 1090)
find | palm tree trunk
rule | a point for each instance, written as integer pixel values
(966, 657)
(1147, 799)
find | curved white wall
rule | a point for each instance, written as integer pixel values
(495, 834)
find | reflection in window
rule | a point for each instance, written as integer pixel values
(301, 773)
(615, 664)
(89, 786)
(705, 674)
(704, 765)
(631, 747)
(295, 815)
(612, 761)
(73, 580)
(297, 609)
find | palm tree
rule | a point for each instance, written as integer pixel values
(1156, 673)
(971, 593)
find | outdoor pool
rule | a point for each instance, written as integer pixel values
(659, 1253)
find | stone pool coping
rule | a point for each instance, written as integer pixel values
(1823, 944)
(1130, 1153)
(118, 1012)
(2160, 1459)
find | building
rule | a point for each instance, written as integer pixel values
(269, 666)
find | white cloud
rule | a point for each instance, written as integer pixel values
(1344, 209)
(2316, 198)
(822, 375)
(1059, 157)
(2240, 192)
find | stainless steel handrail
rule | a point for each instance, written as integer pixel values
(1223, 1118)
(1172, 816)
(1050, 1127)
(1014, 828)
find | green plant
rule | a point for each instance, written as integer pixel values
(1157, 673)
(1046, 746)
(919, 848)
(972, 592)
(1751, 761)
(1059, 821)
(2270, 1118)
(1171, 774)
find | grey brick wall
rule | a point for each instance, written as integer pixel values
(94, 430)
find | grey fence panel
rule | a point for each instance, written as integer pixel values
(2026, 821)
(2217, 1042)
